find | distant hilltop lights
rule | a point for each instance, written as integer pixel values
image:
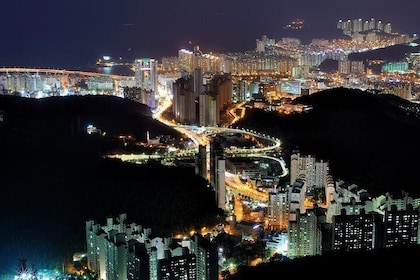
(296, 24)
(351, 26)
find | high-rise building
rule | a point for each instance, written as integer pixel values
(207, 258)
(116, 253)
(340, 24)
(304, 236)
(372, 24)
(264, 43)
(401, 226)
(198, 81)
(217, 172)
(355, 232)
(129, 252)
(278, 209)
(357, 25)
(207, 108)
(215, 99)
(201, 161)
(146, 73)
(366, 25)
(314, 172)
(95, 249)
(186, 62)
(146, 78)
(380, 25)
(388, 28)
(185, 103)
(296, 193)
(346, 26)
(137, 261)
(177, 265)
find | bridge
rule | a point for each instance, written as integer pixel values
(57, 72)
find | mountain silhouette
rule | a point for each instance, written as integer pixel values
(54, 177)
(369, 139)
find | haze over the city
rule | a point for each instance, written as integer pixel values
(66, 34)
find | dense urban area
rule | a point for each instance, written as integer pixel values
(276, 203)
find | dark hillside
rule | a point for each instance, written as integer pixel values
(391, 53)
(385, 264)
(369, 139)
(53, 178)
(70, 115)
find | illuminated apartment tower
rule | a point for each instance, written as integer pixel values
(380, 25)
(355, 232)
(201, 161)
(314, 172)
(146, 78)
(222, 87)
(296, 199)
(278, 209)
(177, 264)
(207, 110)
(366, 25)
(116, 255)
(186, 62)
(388, 28)
(304, 236)
(185, 105)
(215, 100)
(372, 24)
(95, 251)
(129, 252)
(401, 226)
(357, 25)
(217, 172)
(206, 253)
(137, 261)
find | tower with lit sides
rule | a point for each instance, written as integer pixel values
(304, 235)
(122, 250)
(146, 78)
(217, 172)
(355, 231)
(401, 226)
(278, 209)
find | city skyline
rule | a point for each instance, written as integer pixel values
(56, 34)
(316, 166)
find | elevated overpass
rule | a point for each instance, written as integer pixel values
(57, 72)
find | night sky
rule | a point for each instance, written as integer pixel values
(71, 34)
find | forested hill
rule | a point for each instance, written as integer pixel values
(369, 139)
(53, 178)
(388, 54)
(71, 114)
(380, 263)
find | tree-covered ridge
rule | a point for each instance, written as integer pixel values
(385, 263)
(69, 115)
(389, 54)
(369, 139)
(54, 177)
